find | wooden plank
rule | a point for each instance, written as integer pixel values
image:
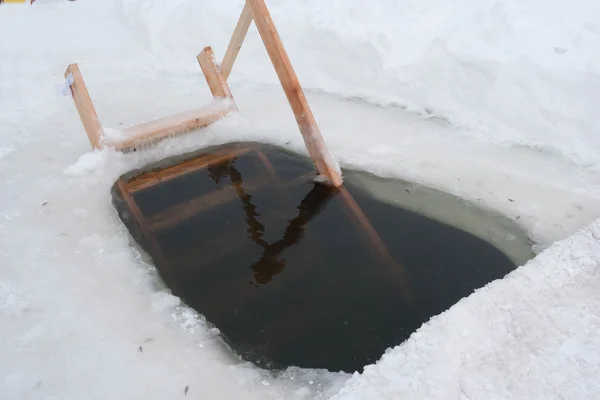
(237, 39)
(154, 248)
(268, 166)
(183, 211)
(85, 107)
(313, 139)
(153, 178)
(364, 227)
(216, 82)
(161, 128)
(186, 210)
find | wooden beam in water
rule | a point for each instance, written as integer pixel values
(239, 34)
(203, 203)
(364, 226)
(268, 166)
(153, 178)
(138, 218)
(156, 252)
(85, 107)
(183, 211)
(313, 139)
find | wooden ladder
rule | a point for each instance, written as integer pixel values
(216, 77)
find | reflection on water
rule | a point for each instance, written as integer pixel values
(270, 263)
(295, 273)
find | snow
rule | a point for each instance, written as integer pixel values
(528, 336)
(112, 133)
(491, 67)
(493, 101)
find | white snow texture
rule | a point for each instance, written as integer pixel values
(496, 101)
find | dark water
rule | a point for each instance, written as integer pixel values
(284, 268)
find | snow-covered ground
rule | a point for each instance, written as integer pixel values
(495, 101)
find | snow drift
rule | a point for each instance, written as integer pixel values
(510, 72)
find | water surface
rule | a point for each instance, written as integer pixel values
(294, 273)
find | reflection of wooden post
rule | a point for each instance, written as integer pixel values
(216, 81)
(308, 126)
(236, 42)
(84, 105)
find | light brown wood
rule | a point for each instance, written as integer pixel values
(239, 34)
(169, 126)
(152, 178)
(156, 130)
(154, 248)
(268, 166)
(185, 210)
(216, 82)
(85, 107)
(364, 226)
(313, 139)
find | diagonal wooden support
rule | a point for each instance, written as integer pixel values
(287, 76)
(257, 10)
(217, 80)
(239, 34)
(84, 106)
(311, 134)
(364, 226)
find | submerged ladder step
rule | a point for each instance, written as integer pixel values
(185, 210)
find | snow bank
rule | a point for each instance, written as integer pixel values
(511, 72)
(531, 335)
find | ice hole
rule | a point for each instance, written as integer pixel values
(295, 273)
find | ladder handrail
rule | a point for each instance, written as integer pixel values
(313, 140)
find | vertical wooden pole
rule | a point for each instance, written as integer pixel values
(239, 34)
(216, 82)
(308, 126)
(84, 105)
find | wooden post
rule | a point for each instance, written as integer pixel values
(84, 105)
(308, 126)
(216, 82)
(239, 34)
(154, 248)
(364, 226)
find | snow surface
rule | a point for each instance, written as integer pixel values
(531, 335)
(495, 101)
